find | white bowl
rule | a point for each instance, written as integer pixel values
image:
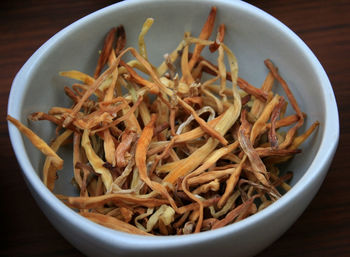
(254, 36)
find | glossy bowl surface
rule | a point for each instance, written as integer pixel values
(253, 35)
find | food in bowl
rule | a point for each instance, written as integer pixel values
(186, 147)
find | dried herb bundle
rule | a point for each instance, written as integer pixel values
(170, 151)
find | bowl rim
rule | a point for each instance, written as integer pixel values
(325, 152)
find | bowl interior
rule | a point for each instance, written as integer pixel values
(251, 37)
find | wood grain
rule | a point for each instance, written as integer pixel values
(322, 230)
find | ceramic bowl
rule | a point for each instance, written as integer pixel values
(253, 35)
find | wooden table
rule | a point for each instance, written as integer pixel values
(323, 229)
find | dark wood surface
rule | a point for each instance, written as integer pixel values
(322, 230)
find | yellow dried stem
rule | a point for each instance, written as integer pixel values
(113, 223)
(95, 161)
(142, 46)
(40, 144)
